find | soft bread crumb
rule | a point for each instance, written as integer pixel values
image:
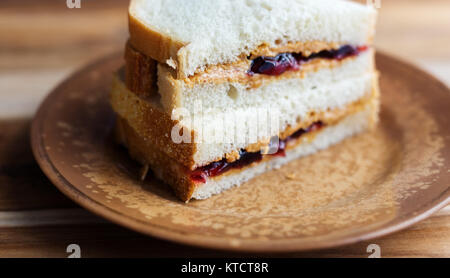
(170, 62)
(198, 33)
(291, 176)
(331, 135)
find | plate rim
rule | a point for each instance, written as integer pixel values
(247, 246)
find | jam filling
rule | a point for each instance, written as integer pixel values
(292, 61)
(214, 169)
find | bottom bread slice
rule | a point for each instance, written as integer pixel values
(180, 179)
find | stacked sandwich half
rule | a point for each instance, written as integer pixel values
(214, 93)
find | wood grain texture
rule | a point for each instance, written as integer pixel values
(23, 186)
(107, 240)
(44, 41)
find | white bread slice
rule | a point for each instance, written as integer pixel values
(349, 126)
(234, 129)
(178, 176)
(216, 135)
(316, 88)
(189, 35)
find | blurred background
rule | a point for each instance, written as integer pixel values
(42, 42)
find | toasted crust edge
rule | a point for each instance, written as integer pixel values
(140, 72)
(154, 44)
(150, 121)
(147, 154)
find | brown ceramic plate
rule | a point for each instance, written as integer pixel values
(365, 187)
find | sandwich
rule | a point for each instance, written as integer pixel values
(214, 93)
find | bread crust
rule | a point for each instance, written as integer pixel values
(147, 117)
(154, 44)
(163, 166)
(306, 48)
(140, 72)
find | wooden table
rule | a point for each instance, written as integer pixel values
(41, 42)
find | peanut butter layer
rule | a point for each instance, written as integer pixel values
(238, 73)
(142, 69)
(306, 48)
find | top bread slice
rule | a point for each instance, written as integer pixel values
(190, 35)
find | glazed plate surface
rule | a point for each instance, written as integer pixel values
(368, 186)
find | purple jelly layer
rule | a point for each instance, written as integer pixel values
(292, 61)
(214, 169)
